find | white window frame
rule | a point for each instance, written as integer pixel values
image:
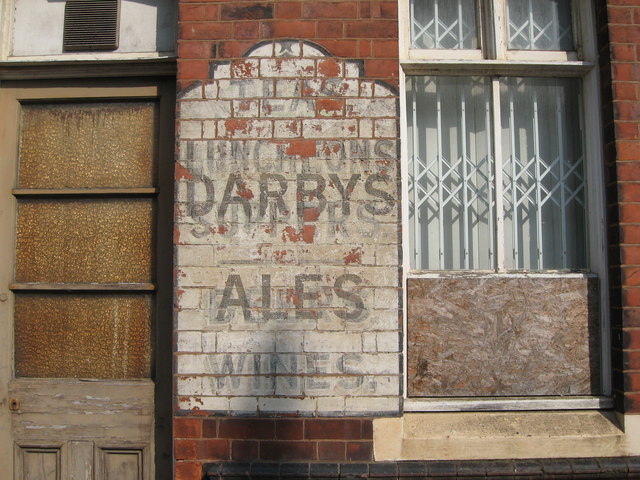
(494, 60)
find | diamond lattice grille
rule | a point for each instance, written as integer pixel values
(540, 25)
(452, 183)
(443, 24)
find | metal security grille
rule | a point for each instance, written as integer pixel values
(91, 25)
(443, 24)
(543, 174)
(540, 25)
(458, 191)
(451, 173)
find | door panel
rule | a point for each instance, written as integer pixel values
(77, 400)
(95, 336)
(38, 463)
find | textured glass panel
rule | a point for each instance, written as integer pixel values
(443, 24)
(543, 174)
(87, 145)
(92, 336)
(84, 240)
(540, 25)
(450, 173)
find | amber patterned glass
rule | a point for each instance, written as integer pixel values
(87, 145)
(89, 336)
(84, 240)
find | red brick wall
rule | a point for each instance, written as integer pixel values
(201, 440)
(218, 30)
(619, 24)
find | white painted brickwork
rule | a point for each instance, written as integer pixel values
(287, 238)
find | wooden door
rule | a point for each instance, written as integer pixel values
(85, 217)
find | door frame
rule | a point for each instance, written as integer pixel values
(162, 89)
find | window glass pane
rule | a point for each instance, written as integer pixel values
(543, 174)
(540, 25)
(106, 144)
(443, 24)
(85, 240)
(450, 173)
(91, 336)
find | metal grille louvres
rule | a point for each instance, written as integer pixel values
(91, 25)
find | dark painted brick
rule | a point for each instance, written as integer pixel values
(584, 465)
(383, 469)
(633, 464)
(324, 470)
(471, 469)
(236, 468)
(583, 468)
(557, 467)
(264, 469)
(412, 468)
(442, 469)
(528, 467)
(294, 470)
(354, 470)
(247, 12)
(213, 468)
(502, 468)
(612, 468)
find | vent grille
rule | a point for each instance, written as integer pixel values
(90, 25)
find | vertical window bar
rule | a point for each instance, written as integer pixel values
(436, 21)
(497, 155)
(531, 29)
(514, 183)
(492, 178)
(556, 34)
(460, 32)
(536, 153)
(465, 179)
(417, 246)
(414, 36)
(563, 183)
(440, 180)
(583, 183)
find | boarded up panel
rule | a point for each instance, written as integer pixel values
(499, 336)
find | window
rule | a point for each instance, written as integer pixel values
(503, 178)
(497, 170)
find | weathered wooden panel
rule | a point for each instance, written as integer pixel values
(502, 336)
(121, 465)
(80, 460)
(50, 410)
(37, 463)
